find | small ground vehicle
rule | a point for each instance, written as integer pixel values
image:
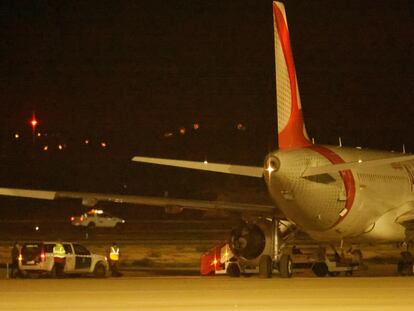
(219, 260)
(97, 218)
(36, 258)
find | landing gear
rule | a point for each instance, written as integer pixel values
(265, 267)
(333, 265)
(286, 266)
(405, 264)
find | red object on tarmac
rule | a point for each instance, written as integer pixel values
(210, 261)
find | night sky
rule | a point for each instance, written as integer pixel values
(128, 72)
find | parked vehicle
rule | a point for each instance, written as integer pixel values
(97, 218)
(36, 258)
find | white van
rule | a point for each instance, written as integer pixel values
(36, 258)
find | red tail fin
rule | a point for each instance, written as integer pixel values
(291, 128)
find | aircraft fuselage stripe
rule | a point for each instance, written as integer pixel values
(346, 175)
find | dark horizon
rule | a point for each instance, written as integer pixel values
(127, 72)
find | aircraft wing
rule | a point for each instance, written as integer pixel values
(91, 199)
(252, 171)
(326, 169)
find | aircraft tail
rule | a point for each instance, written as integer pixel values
(291, 127)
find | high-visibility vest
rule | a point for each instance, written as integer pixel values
(59, 251)
(114, 253)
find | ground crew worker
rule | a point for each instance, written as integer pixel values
(15, 253)
(59, 258)
(114, 259)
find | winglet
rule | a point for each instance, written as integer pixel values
(291, 128)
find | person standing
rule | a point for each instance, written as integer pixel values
(59, 258)
(15, 253)
(114, 254)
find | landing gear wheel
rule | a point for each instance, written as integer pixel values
(320, 269)
(286, 266)
(405, 264)
(265, 267)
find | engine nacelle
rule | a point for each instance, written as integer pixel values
(248, 241)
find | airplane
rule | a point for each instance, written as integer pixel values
(337, 195)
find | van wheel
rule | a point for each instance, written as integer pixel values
(100, 270)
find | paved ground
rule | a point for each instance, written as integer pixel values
(209, 293)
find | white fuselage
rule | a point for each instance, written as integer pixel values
(358, 205)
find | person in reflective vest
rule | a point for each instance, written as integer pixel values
(59, 257)
(15, 253)
(114, 254)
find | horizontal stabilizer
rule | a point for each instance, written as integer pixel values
(319, 170)
(252, 171)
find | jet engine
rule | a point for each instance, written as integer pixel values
(247, 241)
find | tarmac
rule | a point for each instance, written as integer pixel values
(208, 293)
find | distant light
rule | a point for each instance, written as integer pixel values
(16, 136)
(196, 126)
(33, 121)
(205, 162)
(182, 131)
(60, 147)
(168, 134)
(103, 144)
(37, 228)
(241, 127)
(86, 141)
(46, 148)
(39, 134)
(359, 161)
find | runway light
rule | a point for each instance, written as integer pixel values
(103, 144)
(37, 228)
(86, 141)
(16, 136)
(182, 131)
(60, 147)
(45, 148)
